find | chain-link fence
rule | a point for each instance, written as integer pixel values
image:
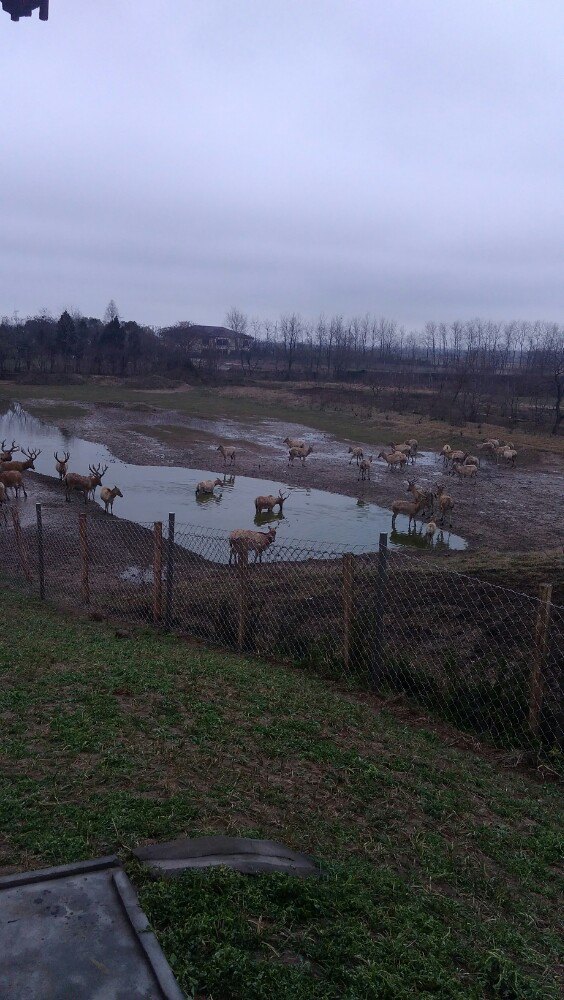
(485, 658)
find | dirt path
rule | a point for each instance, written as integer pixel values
(519, 509)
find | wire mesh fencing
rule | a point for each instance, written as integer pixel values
(482, 657)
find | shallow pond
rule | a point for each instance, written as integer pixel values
(329, 520)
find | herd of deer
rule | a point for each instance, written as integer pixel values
(458, 462)
(11, 476)
(243, 542)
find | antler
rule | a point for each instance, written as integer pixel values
(97, 470)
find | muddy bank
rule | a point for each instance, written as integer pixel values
(506, 510)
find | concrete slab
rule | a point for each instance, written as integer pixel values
(77, 931)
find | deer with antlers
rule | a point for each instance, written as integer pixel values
(61, 463)
(268, 503)
(13, 466)
(84, 484)
(6, 454)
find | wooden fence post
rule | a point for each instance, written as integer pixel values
(377, 660)
(169, 572)
(21, 544)
(84, 556)
(348, 606)
(539, 657)
(158, 573)
(243, 599)
(40, 554)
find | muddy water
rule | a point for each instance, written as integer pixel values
(329, 520)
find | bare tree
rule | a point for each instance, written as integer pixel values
(237, 321)
(290, 331)
(111, 312)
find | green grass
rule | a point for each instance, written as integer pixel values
(440, 868)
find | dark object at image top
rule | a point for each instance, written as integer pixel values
(25, 8)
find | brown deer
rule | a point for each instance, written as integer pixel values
(268, 503)
(107, 496)
(242, 543)
(84, 484)
(299, 453)
(13, 480)
(21, 466)
(419, 494)
(409, 508)
(446, 504)
(7, 453)
(61, 463)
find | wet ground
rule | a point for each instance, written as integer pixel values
(506, 509)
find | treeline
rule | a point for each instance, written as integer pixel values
(81, 345)
(519, 365)
(338, 346)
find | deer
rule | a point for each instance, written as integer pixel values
(409, 507)
(299, 453)
(268, 503)
(395, 459)
(61, 463)
(364, 467)
(445, 453)
(207, 486)
(21, 466)
(419, 494)
(406, 449)
(464, 471)
(227, 452)
(7, 453)
(446, 504)
(84, 484)
(13, 480)
(107, 496)
(242, 542)
(357, 453)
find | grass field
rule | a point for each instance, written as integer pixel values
(440, 868)
(315, 406)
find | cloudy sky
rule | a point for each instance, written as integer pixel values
(404, 158)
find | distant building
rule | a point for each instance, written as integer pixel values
(25, 8)
(217, 340)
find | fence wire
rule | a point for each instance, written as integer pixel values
(482, 657)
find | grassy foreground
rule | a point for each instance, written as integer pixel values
(441, 870)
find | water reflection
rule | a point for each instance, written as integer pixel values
(204, 498)
(268, 517)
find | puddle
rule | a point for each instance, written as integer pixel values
(330, 520)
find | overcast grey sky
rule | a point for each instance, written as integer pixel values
(403, 158)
